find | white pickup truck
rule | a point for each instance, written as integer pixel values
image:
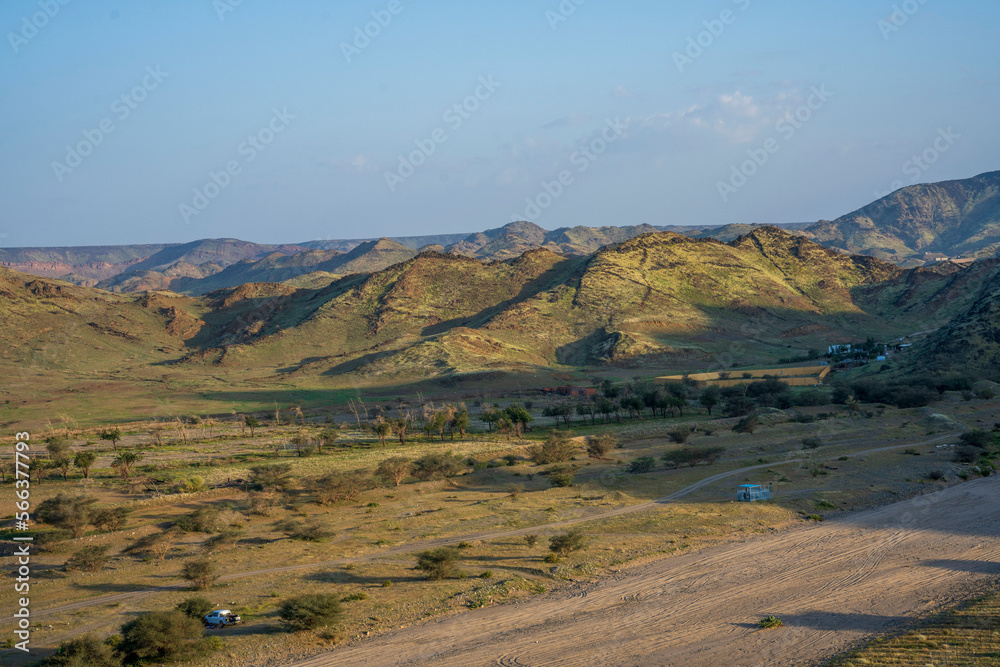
(221, 618)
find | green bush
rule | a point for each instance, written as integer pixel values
(201, 572)
(307, 612)
(641, 465)
(86, 651)
(438, 466)
(567, 543)
(769, 622)
(196, 608)
(691, 456)
(89, 559)
(812, 443)
(439, 563)
(308, 531)
(162, 636)
(562, 476)
(353, 597)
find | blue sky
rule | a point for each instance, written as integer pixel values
(832, 99)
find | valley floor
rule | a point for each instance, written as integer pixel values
(833, 584)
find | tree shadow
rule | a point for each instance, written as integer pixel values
(124, 588)
(976, 566)
(352, 578)
(829, 621)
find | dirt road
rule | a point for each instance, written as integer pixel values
(831, 584)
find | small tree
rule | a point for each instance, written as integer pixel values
(401, 427)
(200, 572)
(680, 435)
(252, 423)
(641, 465)
(89, 559)
(125, 461)
(460, 422)
(382, 430)
(505, 426)
(747, 425)
(307, 612)
(84, 461)
(599, 446)
(394, 469)
(112, 435)
(558, 448)
(162, 636)
(110, 518)
(86, 651)
(437, 466)
(271, 476)
(196, 608)
(328, 437)
(562, 476)
(340, 486)
(313, 530)
(440, 563)
(156, 545)
(710, 397)
(68, 512)
(567, 543)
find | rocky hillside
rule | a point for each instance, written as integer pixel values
(517, 238)
(953, 218)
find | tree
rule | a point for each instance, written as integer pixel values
(382, 429)
(394, 469)
(302, 443)
(587, 409)
(86, 651)
(519, 416)
(252, 423)
(271, 476)
(58, 446)
(977, 438)
(598, 446)
(489, 417)
(155, 544)
(328, 437)
(437, 466)
(440, 563)
(196, 608)
(340, 486)
(112, 435)
(567, 543)
(200, 572)
(557, 448)
(641, 465)
(710, 397)
(89, 559)
(460, 423)
(162, 636)
(84, 461)
(110, 518)
(562, 476)
(307, 612)
(67, 512)
(746, 425)
(313, 530)
(125, 461)
(401, 427)
(505, 426)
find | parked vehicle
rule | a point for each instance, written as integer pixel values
(221, 618)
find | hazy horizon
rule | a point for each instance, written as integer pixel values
(224, 119)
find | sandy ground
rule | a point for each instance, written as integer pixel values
(832, 584)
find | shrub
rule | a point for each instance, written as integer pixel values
(196, 608)
(643, 464)
(746, 425)
(89, 559)
(680, 435)
(967, 454)
(811, 443)
(86, 651)
(72, 513)
(531, 540)
(162, 636)
(200, 572)
(598, 446)
(769, 622)
(340, 486)
(567, 543)
(562, 476)
(978, 438)
(307, 612)
(437, 466)
(309, 531)
(271, 477)
(393, 470)
(354, 597)
(558, 448)
(985, 394)
(110, 518)
(440, 563)
(690, 456)
(935, 475)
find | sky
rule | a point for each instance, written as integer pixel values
(160, 121)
